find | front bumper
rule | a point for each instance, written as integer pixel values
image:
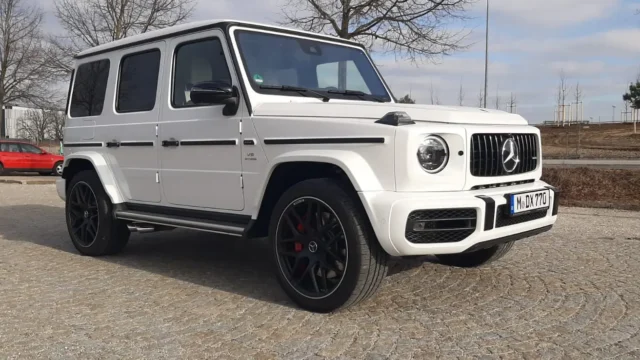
(61, 188)
(389, 212)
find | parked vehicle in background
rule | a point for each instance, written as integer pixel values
(16, 156)
(252, 130)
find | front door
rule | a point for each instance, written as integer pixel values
(35, 158)
(201, 157)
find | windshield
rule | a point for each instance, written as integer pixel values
(273, 61)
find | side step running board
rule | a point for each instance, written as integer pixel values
(181, 222)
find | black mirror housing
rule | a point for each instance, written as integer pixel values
(216, 92)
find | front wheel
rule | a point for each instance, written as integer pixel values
(476, 258)
(326, 254)
(93, 229)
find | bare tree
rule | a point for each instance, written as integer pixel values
(433, 96)
(56, 119)
(562, 97)
(34, 125)
(24, 70)
(461, 95)
(481, 99)
(513, 103)
(578, 97)
(415, 29)
(90, 23)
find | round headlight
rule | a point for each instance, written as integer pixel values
(433, 154)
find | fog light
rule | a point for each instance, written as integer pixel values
(420, 226)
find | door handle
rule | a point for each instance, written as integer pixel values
(167, 143)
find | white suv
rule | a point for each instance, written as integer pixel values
(257, 131)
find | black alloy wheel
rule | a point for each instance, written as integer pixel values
(312, 247)
(83, 214)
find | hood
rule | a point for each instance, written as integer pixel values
(375, 111)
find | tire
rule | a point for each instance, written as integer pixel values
(476, 258)
(1, 169)
(57, 168)
(86, 201)
(348, 262)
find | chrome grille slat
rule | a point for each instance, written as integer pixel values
(486, 154)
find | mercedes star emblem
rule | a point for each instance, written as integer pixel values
(510, 155)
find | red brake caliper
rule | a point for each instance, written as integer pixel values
(298, 245)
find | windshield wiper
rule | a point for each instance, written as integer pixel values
(296, 89)
(361, 94)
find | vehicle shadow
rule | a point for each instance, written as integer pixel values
(229, 264)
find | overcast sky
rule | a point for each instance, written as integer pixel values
(596, 42)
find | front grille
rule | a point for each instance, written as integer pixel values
(492, 186)
(441, 225)
(486, 154)
(502, 219)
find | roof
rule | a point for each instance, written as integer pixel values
(193, 27)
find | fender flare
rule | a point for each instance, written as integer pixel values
(357, 169)
(104, 171)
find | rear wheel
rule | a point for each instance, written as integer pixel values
(1, 169)
(326, 254)
(90, 222)
(476, 258)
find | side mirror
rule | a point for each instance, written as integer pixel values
(216, 92)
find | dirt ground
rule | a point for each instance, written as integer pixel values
(600, 188)
(594, 141)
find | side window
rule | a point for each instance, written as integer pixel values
(9, 147)
(138, 82)
(195, 62)
(26, 148)
(328, 74)
(89, 89)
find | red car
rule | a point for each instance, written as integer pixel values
(23, 157)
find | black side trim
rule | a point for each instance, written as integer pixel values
(371, 140)
(207, 142)
(556, 199)
(249, 142)
(137, 143)
(178, 221)
(188, 213)
(112, 144)
(506, 239)
(490, 211)
(87, 144)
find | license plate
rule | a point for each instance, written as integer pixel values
(530, 201)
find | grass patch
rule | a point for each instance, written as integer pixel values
(601, 188)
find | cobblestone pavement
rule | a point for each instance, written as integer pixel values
(572, 293)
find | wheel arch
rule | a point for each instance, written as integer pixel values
(80, 161)
(349, 169)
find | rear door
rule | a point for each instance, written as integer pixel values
(12, 156)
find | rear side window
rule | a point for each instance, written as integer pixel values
(89, 89)
(138, 82)
(9, 147)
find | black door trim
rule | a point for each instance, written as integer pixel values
(208, 142)
(301, 141)
(83, 144)
(136, 143)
